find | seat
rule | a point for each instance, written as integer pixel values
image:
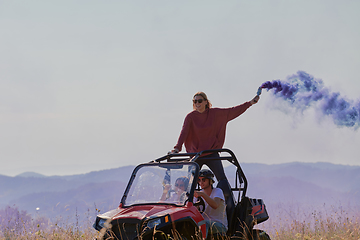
(229, 199)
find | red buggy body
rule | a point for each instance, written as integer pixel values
(143, 215)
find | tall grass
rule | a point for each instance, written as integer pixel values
(17, 224)
(317, 223)
(323, 229)
(296, 223)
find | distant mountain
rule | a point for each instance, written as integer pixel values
(86, 194)
(13, 188)
(115, 174)
(31, 174)
(84, 201)
(341, 178)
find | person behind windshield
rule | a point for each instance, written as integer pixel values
(205, 128)
(181, 185)
(215, 207)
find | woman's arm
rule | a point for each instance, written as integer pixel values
(236, 111)
(165, 192)
(183, 134)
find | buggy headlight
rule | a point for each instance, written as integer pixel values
(157, 221)
(102, 222)
(152, 223)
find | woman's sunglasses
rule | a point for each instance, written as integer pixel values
(198, 100)
(179, 185)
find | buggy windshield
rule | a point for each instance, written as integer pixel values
(160, 183)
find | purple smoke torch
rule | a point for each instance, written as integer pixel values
(259, 91)
(302, 91)
(257, 94)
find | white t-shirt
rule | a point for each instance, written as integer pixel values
(219, 214)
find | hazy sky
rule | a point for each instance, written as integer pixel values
(91, 85)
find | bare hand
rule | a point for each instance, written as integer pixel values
(255, 99)
(167, 187)
(198, 194)
(175, 150)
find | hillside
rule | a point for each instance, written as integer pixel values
(63, 196)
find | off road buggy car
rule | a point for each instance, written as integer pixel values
(144, 214)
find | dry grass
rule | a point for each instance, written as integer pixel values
(18, 225)
(314, 225)
(323, 229)
(53, 232)
(326, 223)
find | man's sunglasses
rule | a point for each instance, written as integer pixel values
(198, 100)
(179, 185)
(202, 179)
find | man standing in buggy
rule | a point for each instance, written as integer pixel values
(205, 128)
(215, 207)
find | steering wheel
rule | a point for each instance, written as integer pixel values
(200, 204)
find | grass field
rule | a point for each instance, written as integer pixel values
(315, 223)
(335, 223)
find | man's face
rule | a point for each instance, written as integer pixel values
(204, 182)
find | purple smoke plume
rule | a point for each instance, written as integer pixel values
(302, 90)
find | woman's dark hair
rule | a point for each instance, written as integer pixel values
(185, 180)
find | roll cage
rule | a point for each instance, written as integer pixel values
(240, 184)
